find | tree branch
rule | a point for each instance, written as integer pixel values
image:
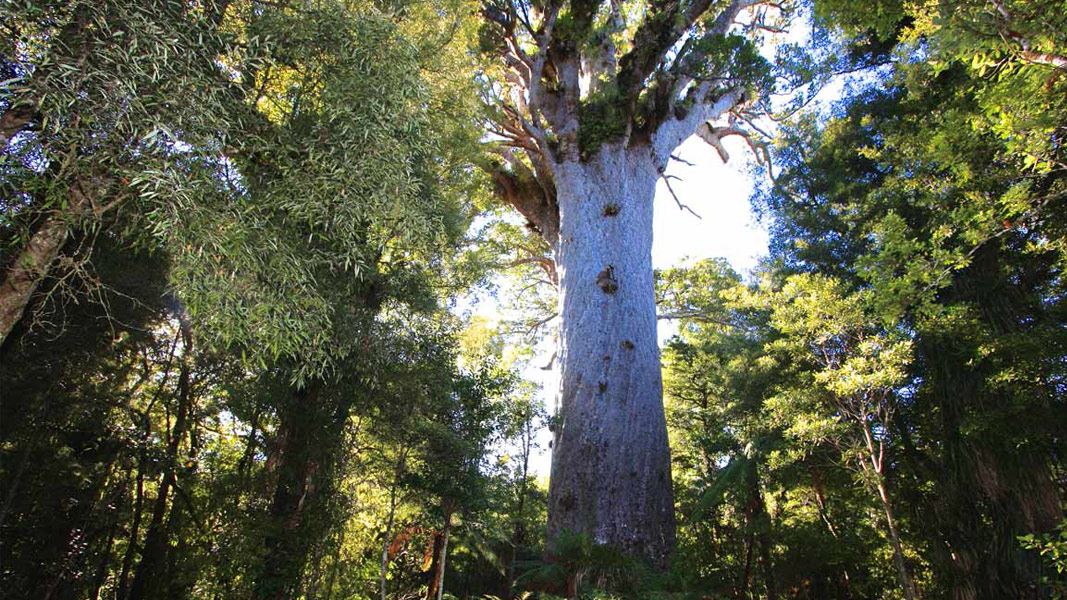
(1026, 52)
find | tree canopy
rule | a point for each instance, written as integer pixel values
(242, 244)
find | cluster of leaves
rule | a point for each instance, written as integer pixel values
(272, 196)
(602, 117)
(264, 151)
(1053, 549)
(734, 57)
(900, 359)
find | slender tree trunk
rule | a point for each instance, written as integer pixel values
(611, 476)
(444, 557)
(746, 572)
(437, 567)
(877, 470)
(103, 566)
(387, 541)
(150, 579)
(898, 549)
(135, 526)
(518, 531)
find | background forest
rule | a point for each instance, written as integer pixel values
(238, 238)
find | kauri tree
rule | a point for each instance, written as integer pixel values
(588, 103)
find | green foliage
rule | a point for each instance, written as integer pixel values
(602, 118)
(905, 241)
(750, 429)
(737, 58)
(271, 154)
(588, 570)
(238, 380)
(1053, 550)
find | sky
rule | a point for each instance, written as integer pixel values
(719, 193)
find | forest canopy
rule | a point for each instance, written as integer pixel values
(242, 243)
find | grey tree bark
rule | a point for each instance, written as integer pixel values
(611, 476)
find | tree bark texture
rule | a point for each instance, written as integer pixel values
(611, 476)
(28, 269)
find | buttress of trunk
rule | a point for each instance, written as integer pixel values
(611, 476)
(308, 434)
(28, 270)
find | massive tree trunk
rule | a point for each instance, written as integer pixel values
(992, 485)
(611, 476)
(584, 130)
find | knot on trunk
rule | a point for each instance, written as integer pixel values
(611, 209)
(606, 280)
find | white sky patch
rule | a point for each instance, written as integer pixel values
(719, 193)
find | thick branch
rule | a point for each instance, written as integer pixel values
(1026, 52)
(713, 136)
(519, 187)
(663, 27)
(672, 132)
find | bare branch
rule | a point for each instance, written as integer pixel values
(677, 201)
